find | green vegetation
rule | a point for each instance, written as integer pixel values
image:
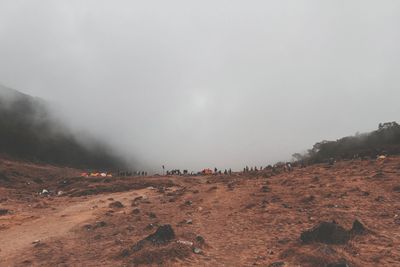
(384, 140)
(27, 132)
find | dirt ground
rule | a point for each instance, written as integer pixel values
(250, 219)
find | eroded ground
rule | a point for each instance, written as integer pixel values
(238, 220)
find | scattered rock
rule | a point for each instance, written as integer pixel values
(341, 263)
(4, 212)
(135, 211)
(152, 215)
(332, 233)
(396, 188)
(184, 242)
(116, 205)
(100, 224)
(161, 190)
(125, 253)
(164, 234)
(38, 180)
(150, 226)
(365, 193)
(326, 232)
(315, 179)
(88, 227)
(308, 199)
(197, 250)
(200, 239)
(44, 192)
(188, 202)
(265, 189)
(277, 264)
(358, 228)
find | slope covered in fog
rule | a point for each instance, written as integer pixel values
(28, 131)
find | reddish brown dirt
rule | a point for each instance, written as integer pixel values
(245, 220)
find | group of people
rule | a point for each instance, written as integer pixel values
(178, 172)
(203, 172)
(287, 167)
(132, 173)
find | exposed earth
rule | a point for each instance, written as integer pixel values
(252, 219)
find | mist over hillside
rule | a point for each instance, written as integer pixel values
(29, 131)
(383, 141)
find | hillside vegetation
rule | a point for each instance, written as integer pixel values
(385, 140)
(28, 132)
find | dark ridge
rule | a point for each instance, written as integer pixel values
(28, 132)
(383, 141)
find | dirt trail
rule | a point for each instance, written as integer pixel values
(56, 224)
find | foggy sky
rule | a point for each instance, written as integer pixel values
(194, 84)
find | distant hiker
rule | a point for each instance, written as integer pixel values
(289, 167)
(226, 172)
(215, 170)
(230, 171)
(255, 169)
(251, 169)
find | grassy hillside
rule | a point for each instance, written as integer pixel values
(28, 132)
(384, 140)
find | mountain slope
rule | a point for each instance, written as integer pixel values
(27, 131)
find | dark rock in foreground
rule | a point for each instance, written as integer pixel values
(163, 235)
(331, 233)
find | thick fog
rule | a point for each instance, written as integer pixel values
(194, 84)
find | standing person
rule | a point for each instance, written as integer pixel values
(230, 171)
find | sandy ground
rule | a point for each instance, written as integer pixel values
(245, 220)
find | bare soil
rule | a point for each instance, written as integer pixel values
(239, 220)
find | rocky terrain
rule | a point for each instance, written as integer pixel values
(345, 214)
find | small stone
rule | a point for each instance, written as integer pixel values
(135, 211)
(184, 242)
(197, 250)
